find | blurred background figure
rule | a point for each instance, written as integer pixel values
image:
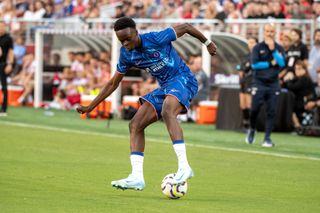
(301, 85)
(245, 77)
(314, 60)
(6, 64)
(195, 65)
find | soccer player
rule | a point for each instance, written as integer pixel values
(245, 75)
(154, 53)
(267, 60)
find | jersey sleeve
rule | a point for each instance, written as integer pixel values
(304, 53)
(123, 65)
(163, 37)
(10, 44)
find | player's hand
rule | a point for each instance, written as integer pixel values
(8, 69)
(212, 48)
(83, 109)
(270, 43)
(310, 105)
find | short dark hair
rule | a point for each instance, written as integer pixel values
(298, 31)
(316, 31)
(253, 38)
(124, 22)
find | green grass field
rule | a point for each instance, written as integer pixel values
(63, 164)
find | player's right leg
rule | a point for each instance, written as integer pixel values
(257, 100)
(145, 116)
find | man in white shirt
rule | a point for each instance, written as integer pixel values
(314, 58)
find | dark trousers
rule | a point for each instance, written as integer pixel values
(269, 96)
(3, 77)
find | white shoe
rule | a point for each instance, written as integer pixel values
(3, 114)
(131, 182)
(182, 175)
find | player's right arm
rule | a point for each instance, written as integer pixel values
(182, 29)
(107, 90)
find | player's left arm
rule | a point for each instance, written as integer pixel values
(182, 29)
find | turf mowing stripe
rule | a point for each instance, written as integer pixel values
(18, 124)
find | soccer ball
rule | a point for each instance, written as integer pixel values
(173, 191)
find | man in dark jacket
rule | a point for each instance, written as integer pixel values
(267, 61)
(6, 64)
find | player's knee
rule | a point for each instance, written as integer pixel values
(166, 114)
(134, 126)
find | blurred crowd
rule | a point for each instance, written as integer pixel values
(159, 9)
(85, 74)
(302, 75)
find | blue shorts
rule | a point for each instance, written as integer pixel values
(183, 88)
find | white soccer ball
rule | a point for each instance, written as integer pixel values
(173, 191)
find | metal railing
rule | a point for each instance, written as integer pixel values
(240, 27)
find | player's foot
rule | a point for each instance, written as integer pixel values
(250, 136)
(267, 143)
(3, 114)
(182, 175)
(131, 182)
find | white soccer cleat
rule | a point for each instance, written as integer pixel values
(182, 175)
(131, 182)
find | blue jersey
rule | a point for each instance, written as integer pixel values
(156, 56)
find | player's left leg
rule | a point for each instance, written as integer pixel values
(170, 109)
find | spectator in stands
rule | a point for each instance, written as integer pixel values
(26, 79)
(56, 59)
(203, 85)
(314, 59)
(119, 12)
(105, 56)
(169, 11)
(266, 11)
(7, 12)
(297, 11)
(21, 7)
(302, 87)
(225, 12)
(286, 42)
(77, 64)
(91, 11)
(49, 11)
(6, 64)
(187, 10)
(266, 62)
(314, 105)
(257, 10)
(35, 11)
(277, 10)
(211, 10)
(196, 13)
(297, 51)
(67, 8)
(316, 10)
(79, 8)
(19, 51)
(104, 75)
(245, 77)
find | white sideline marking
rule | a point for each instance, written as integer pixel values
(158, 141)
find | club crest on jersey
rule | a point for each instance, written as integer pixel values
(155, 54)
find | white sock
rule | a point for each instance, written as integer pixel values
(180, 149)
(137, 164)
